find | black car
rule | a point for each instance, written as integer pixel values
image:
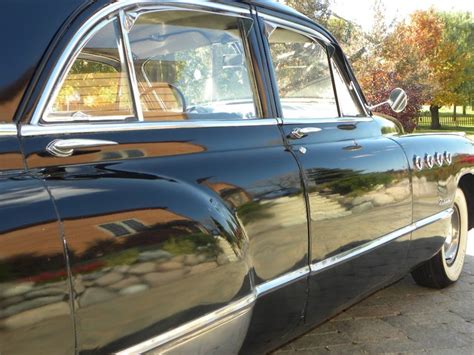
(203, 177)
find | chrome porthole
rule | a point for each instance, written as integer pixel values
(429, 161)
(418, 162)
(439, 159)
(448, 158)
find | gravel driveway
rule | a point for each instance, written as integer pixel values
(403, 318)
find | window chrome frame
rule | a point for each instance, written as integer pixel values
(126, 51)
(316, 36)
(97, 22)
(52, 94)
(8, 129)
(95, 127)
(257, 101)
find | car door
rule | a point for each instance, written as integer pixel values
(182, 210)
(357, 179)
(35, 312)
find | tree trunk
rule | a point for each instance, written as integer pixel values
(464, 110)
(454, 111)
(434, 109)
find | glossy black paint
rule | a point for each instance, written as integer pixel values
(171, 224)
(434, 189)
(23, 46)
(189, 190)
(35, 315)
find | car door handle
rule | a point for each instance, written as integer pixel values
(65, 147)
(299, 133)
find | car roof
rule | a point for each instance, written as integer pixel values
(276, 6)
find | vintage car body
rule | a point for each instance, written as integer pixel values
(208, 235)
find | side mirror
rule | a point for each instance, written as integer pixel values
(397, 100)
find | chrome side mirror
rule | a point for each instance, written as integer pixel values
(397, 100)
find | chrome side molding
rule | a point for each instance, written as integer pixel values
(172, 340)
(369, 246)
(65, 128)
(8, 129)
(281, 281)
(232, 320)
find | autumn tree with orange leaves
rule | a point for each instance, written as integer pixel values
(429, 55)
(422, 54)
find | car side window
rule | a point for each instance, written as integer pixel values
(192, 65)
(345, 94)
(303, 75)
(96, 86)
(171, 65)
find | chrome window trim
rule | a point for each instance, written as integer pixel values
(51, 92)
(342, 120)
(68, 128)
(257, 101)
(106, 15)
(126, 50)
(246, 303)
(313, 34)
(363, 105)
(304, 30)
(309, 32)
(8, 129)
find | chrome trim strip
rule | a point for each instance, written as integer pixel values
(361, 102)
(79, 39)
(281, 281)
(220, 9)
(434, 218)
(364, 248)
(340, 120)
(132, 75)
(361, 249)
(210, 320)
(295, 26)
(65, 128)
(8, 129)
(246, 303)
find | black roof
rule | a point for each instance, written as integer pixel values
(27, 28)
(276, 6)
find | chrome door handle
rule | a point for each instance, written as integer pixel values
(299, 133)
(65, 147)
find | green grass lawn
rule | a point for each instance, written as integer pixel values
(449, 110)
(468, 130)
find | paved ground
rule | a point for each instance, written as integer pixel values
(403, 318)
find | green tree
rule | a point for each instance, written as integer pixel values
(423, 55)
(317, 10)
(459, 29)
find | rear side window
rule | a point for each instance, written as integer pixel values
(169, 66)
(303, 75)
(192, 65)
(97, 85)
